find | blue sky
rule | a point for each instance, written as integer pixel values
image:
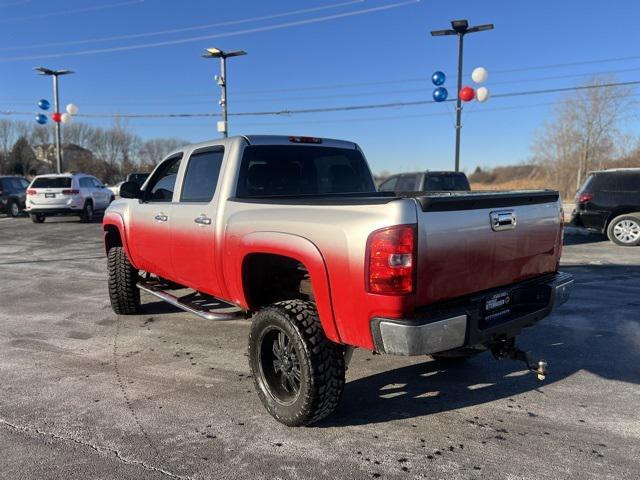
(298, 60)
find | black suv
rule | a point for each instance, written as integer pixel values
(609, 202)
(425, 182)
(13, 194)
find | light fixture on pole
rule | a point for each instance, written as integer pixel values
(460, 28)
(222, 81)
(56, 116)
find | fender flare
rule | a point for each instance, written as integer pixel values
(115, 220)
(305, 252)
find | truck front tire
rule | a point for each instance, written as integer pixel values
(123, 277)
(298, 372)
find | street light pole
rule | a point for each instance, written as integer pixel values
(223, 94)
(460, 28)
(459, 102)
(56, 105)
(223, 126)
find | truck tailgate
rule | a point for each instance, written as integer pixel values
(474, 241)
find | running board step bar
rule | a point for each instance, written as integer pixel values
(205, 306)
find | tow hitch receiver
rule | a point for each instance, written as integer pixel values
(508, 349)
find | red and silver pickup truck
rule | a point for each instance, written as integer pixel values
(292, 232)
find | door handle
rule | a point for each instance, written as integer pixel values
(161, 217)
(202, 220)
(503, 220)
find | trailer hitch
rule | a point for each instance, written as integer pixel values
(506, 348)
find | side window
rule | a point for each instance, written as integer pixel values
(161, 186)
(85, 182)
(406, 183)
(389, 185)
(201, 177)
(629, 182)
(96, 183)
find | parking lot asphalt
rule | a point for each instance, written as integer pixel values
(86, 394)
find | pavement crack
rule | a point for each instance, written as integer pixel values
(124, 391)
(100, 449)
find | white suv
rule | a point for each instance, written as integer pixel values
(66, 194)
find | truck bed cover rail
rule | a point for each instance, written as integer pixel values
(473, 200)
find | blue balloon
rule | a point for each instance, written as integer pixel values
(44, 104)
(41, 118)
(440, 94)
(438, 78)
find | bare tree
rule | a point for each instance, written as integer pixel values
(80, 134)
(153, 150)
(7, 139)
(584, 134)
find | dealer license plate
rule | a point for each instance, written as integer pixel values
(498, 301)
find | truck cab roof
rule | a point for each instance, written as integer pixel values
(268, 140)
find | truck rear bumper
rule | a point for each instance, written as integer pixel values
(466, 321)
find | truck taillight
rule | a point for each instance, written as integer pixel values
(560, 238)
(584, 197)
(391, 259)
(31, 191)
(70, 192)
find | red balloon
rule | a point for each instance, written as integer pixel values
(56, 117)
(467, 94)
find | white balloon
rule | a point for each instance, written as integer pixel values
(66, 118)
(482, 94)
(479, 75)
(72, 109)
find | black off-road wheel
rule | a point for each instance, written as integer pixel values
(298, 372)
(37, 217)
(86, 216)
(123, 277)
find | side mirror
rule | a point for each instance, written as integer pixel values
(130, 190)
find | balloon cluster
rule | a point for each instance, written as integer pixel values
(481, 94)
(56, 117)
(440, 93)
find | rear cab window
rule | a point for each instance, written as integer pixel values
(51, 182)
(281, 170)
(446, 182)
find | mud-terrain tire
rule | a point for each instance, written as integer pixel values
(37, 217)
(87, 214)
(123, 293)
(624, 230)
(309, 384)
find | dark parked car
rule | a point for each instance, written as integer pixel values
(609, 202)
(426, 182)
(13, 194)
